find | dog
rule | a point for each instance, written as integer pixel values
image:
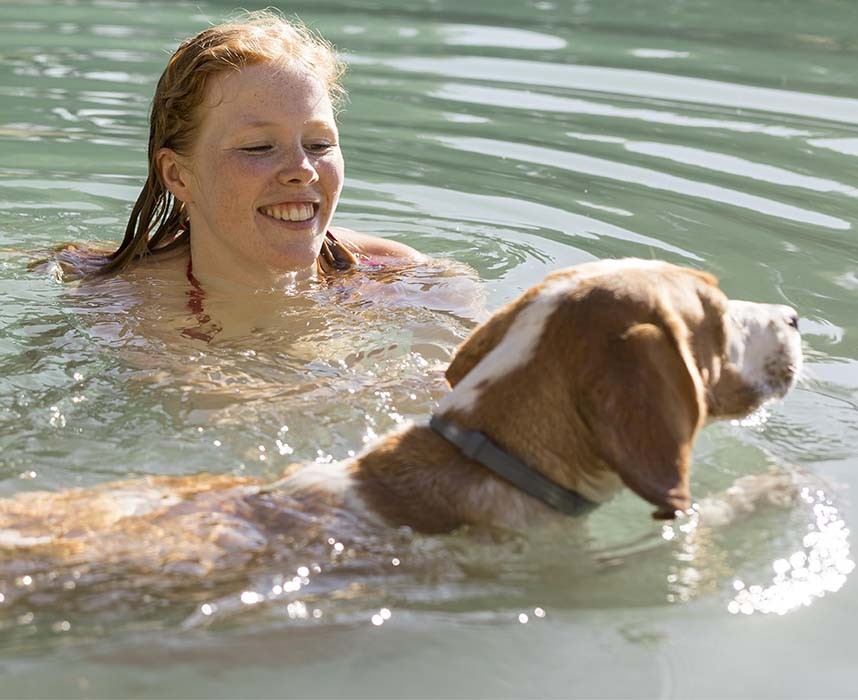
(594, 380)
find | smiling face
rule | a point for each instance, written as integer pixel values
(263, 177)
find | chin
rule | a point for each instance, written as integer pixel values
(293, 259)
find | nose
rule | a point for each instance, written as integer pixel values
(296, 168)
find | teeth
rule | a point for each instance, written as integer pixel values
(293, 211)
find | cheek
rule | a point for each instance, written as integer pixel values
(224, 182)
(331, 174)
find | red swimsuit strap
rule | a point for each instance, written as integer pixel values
(196, 294)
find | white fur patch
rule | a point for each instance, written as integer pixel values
(517, 347)
(514, 350)
(758, 337)
(333, 477)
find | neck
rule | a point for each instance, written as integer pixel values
(233, 275)
(418, 479)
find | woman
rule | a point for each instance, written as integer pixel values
(245, 168)
(245, 172)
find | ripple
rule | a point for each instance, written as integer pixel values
(113, 30)
(644, 177)
(638, 83)
(481, 35)
(533, 100)
(659, 53)
(740, 167)
(123, 193)
(847, 147)
(516, 213)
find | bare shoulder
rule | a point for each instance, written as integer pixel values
(438, 283)
(375, 247)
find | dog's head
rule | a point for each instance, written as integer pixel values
(605, 372)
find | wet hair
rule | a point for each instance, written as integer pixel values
(158, 221)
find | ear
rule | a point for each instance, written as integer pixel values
(706, 277)
(481, 342)
(175, 176)
(649, 409)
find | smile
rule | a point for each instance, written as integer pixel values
(290, 211)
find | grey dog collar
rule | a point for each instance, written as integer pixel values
(480, 448)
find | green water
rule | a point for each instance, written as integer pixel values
(515, 137)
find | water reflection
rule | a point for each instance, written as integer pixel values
(703, 564)
(637, 83)
(480, 35)
(647, 177)
(821, 566)
(546, 102)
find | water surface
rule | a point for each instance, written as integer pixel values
(516, 138)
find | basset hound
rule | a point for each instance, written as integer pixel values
(595, 379)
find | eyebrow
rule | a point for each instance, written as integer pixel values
(254, 123)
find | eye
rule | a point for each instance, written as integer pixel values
(262, 148)
(320, 147)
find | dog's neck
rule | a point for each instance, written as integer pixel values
(419, 479)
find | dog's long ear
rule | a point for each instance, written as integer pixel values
(482, 341)
(646, 408)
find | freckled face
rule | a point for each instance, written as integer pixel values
(266, 173)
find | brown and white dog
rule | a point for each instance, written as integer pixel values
(597, 378)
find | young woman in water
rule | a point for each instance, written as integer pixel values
(245, 173)
(245, 167)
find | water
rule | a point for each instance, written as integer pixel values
(515, 138)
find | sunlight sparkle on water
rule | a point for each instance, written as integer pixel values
(381, 617)
(806, 575)
(251, 598)
(57, 419)
(757, 419)
(297, 610)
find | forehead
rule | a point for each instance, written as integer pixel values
(263, 93)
